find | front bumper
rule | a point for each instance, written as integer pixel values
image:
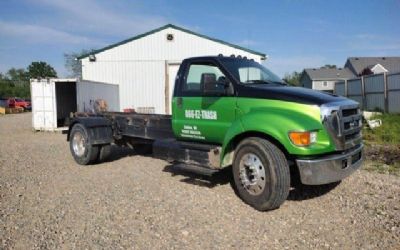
(331, 168)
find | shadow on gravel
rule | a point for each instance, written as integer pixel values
(301, 192)
(120, 152)
(221, 177)
(298, 191)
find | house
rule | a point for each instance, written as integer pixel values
(373, 65)
(145, 66)
(324, 78)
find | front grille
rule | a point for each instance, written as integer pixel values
(349, 112)
(344, 123)
(351, 136)
(351, 126)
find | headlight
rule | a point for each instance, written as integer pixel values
(303, 139)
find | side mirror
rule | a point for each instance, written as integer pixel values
(222, 87)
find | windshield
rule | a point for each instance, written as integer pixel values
(251, 72)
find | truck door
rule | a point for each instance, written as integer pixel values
(203, 109)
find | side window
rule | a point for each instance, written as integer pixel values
(250, 74)
(198, 75)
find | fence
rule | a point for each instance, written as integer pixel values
(373, 92)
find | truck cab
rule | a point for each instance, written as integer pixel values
(232, 111)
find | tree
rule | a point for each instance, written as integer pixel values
(366, 71)
(41, 70)
(17, 76)
(330, 66)
(293, 78)
(72, 64)
(15, 83)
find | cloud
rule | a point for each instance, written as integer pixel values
(96, 17)
(40, 34)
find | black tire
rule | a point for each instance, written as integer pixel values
(89, 153)
(272, 166)
(105, 152)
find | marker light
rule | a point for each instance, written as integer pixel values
(303, 138)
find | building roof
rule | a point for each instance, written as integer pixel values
(329, 73)
(358, 64)
(174, 27)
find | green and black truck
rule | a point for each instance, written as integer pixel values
(233, 112)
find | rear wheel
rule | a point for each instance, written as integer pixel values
(83, 152)
(261, 174)
(105, 152)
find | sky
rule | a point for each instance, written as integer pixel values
(294, 34)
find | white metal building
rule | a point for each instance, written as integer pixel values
(144, 67)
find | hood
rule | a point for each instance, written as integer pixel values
(289, 94)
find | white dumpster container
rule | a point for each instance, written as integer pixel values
(53, 100)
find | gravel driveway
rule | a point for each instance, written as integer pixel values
(49, 202)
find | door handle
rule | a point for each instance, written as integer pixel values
(179, 102)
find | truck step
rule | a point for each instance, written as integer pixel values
(196, 169)
(189, 153)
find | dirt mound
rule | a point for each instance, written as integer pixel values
(387, 154)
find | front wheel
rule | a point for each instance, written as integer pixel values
(261, 174)
(83, 152)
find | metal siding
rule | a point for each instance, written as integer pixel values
(393, 82)
(374, 83)
(358, 99)
(374, 88)
(144, 85)
(172, 72)
(394, 102)
(138, 67)
(375, 101)
(354, 87)
(87, 92)
(354, 90)
(340, 88)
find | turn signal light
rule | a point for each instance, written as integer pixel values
(303, 138)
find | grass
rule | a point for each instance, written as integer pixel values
(382, 149)
(388, 133)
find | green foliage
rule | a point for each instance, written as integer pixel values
(388, 133)
(330, 66)
(41, 70)
(15, 83)
(74, 66)
(293, 78)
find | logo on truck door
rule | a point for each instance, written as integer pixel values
(201, 114)
(191, 132)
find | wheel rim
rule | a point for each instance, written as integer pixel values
(78, 144)
(252, 174)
